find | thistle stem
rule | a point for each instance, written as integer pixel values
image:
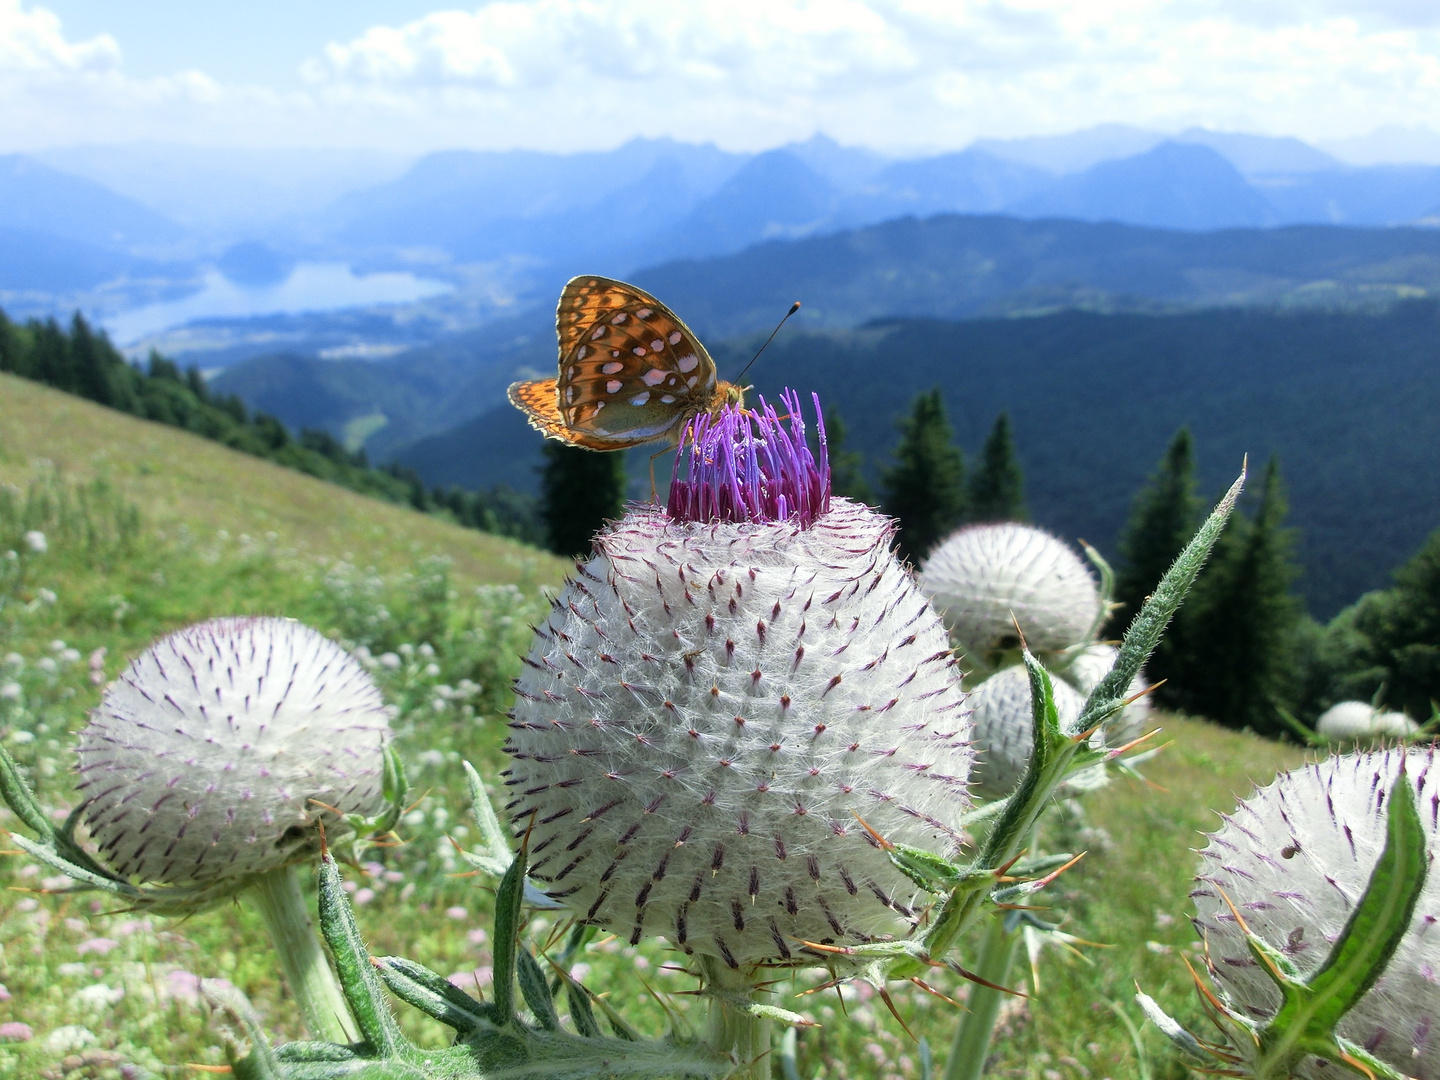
(732, 1030)
(972, 1038)
(276, 894)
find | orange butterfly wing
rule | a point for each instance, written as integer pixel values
(631, 372)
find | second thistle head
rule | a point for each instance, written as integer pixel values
(721, 694)
(215, 753)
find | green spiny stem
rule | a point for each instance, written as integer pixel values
(278, 898)
(732, 1030)
(971, 1045)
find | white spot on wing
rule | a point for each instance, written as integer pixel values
(581, 353)
(599, 405)
(675, 337)
(612, 368)
(640, 399)
(569, 394)
(597, 333)
(667, 399)
(639, 350)
(613, 386)
(645, 312)
(656, 345)
(653, 377)
(688, 363)
(618, 319)
(691, 381)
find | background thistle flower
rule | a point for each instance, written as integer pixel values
(1084, 670)
(1352, 720)
(1294, 859)
(719, 693)
(209, 757)
(1002, 711)
(984, 579)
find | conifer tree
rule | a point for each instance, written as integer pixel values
(925, 489)
(1236, 637)
(579, 491)
(846, 477)
(1396, 639)
(1163, 517)
(996, 489)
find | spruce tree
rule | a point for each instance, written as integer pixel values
(996, 490)
(1236, 636)
(925, 489)
(579, 491)
(1397, 632)
(1163, 517)
(846, 477)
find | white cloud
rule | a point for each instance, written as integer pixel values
(558, 74)
(31, 42)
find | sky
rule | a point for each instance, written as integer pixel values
(896, 75)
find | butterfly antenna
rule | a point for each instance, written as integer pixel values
(793, 308)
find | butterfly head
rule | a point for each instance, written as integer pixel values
(727, 393)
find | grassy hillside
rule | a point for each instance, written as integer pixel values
(147, 528)
(177, 478)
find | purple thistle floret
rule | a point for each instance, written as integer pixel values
(745, 465)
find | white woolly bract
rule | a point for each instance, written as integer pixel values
(1085, 670)
(1351, 720)
(1295, 858)
(205, 760)
(985, 579)
(705, 714)
(1002, 710)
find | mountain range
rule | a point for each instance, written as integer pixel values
(506, 228)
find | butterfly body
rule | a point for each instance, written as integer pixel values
(631, 372)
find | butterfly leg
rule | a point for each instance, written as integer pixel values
(654, 495)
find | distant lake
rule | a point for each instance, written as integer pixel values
(310, 286)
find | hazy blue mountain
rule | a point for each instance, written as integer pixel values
(955, 266)
(225, 191)
(254, 263)
(488, 199)
(1253, 154)
(1378, 195)
(1172, 186)
(970, 181)
(1074, 151)
(846, 167)
(773, 195)
(34, 264)
(1390, 144)
(38, 199)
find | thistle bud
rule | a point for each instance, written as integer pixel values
(987, 579)
(218, 749)
(1085, 670)
(1294, 859)
(1354, 720)
(721, 694)
(1004, 718)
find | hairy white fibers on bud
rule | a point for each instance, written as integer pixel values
(1351, 720)
(984, 579)
(208, 757)
(1003, 714)
(1084, 671)
(707, 711)
(1294, 859)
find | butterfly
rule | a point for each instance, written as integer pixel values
(631, 372)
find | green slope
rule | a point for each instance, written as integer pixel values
(176, 478)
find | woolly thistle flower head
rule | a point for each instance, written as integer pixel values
(1350, 721)
(1086, 667)
(1294, 859)
(210, 757)
(719, 693)
(1003, 714)
(986, 579)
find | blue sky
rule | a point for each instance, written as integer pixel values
(899, 75)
